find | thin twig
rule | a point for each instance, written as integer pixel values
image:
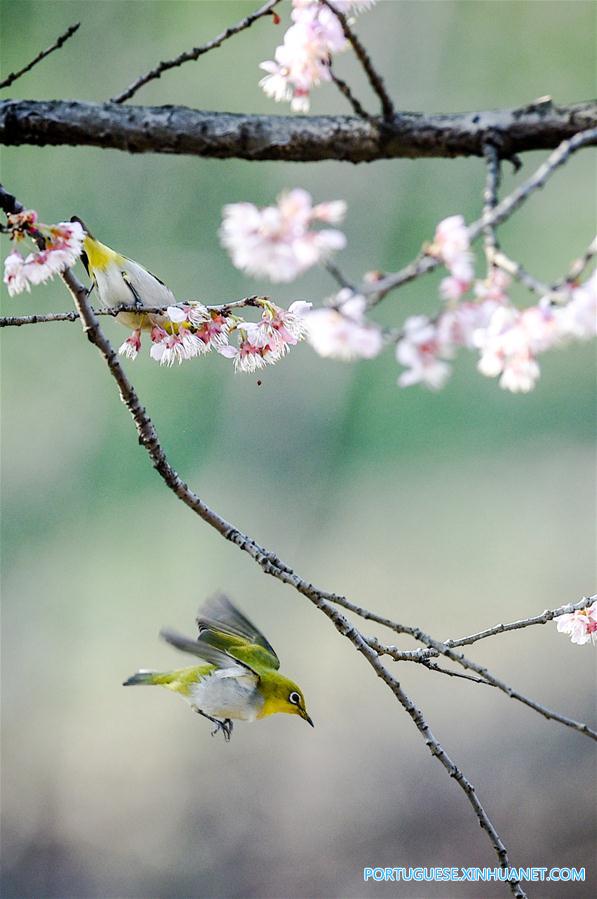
(577, 267)
(55, 46)
(339, 276)
(16, 321)
(375, 79)
(497, 258)
(444, 650)
(269, 562)
(425, 263)
(344, 89)
(544, 618)
(195, 53)
(490, 197)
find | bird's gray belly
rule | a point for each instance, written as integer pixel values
(227, 697)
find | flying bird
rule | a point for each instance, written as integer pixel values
(241, 679)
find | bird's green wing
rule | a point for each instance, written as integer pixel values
(223, 627)
(204, 649)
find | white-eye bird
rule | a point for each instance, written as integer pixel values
(118, 279)
(240, 681)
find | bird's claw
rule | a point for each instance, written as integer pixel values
(225, 726)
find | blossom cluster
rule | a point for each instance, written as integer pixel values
(63, 246)
(581, 625)
(508, 339)
(191, 329)
(278, 242)
(302, 61)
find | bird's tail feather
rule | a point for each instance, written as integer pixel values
(148, 677)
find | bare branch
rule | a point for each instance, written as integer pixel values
(55, 46)
(183, 131)
(269, 562)
(425, 263)
(490, 197)
(195, 53)
(499, 259)
(375, 79)
(491, 679)
(16, 321)
(547, 615)
(347, 92)
(578, 266)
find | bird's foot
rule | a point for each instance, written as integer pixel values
(225, 726)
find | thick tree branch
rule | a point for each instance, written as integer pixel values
(183, 131)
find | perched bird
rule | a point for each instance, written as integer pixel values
(240, 681)
(121, 280)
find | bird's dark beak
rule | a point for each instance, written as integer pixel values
(306, 718)
(75, 218)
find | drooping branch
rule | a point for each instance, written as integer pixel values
(272, 565)
(180, 130)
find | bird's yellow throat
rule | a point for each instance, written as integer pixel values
(99, 255)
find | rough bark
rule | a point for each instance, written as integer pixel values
(180, 130)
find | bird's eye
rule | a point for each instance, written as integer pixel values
(294, 698)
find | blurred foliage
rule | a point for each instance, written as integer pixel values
(452, 510)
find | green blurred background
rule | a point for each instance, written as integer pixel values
(453, 510)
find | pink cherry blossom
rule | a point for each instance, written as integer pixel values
(581, 625)
(15, 276)
(131, 345)
(280, 328)
(277, 241)
(248, 356)
(508, 349)
(64, 243)
(214, 331)
(578, 318)
(421, 351)
(176, 347)
(343, 332)
(302, 61)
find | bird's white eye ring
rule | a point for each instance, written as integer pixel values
(294, 698)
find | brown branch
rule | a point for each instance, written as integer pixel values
(17, 321)
(425, 263)
(490, 197)
(269, 562)
(374, 78)
(195, 53)
(347, 92)
(55, 46)
(578, 266)
(183, 131)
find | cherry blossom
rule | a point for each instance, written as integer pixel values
(277, 241)
(341, 331)
(452, 246)
(64, 244)
(578, 318)
(131, 345)
(168, 348)
(421, 351)
(302, 61)
(581, 625)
